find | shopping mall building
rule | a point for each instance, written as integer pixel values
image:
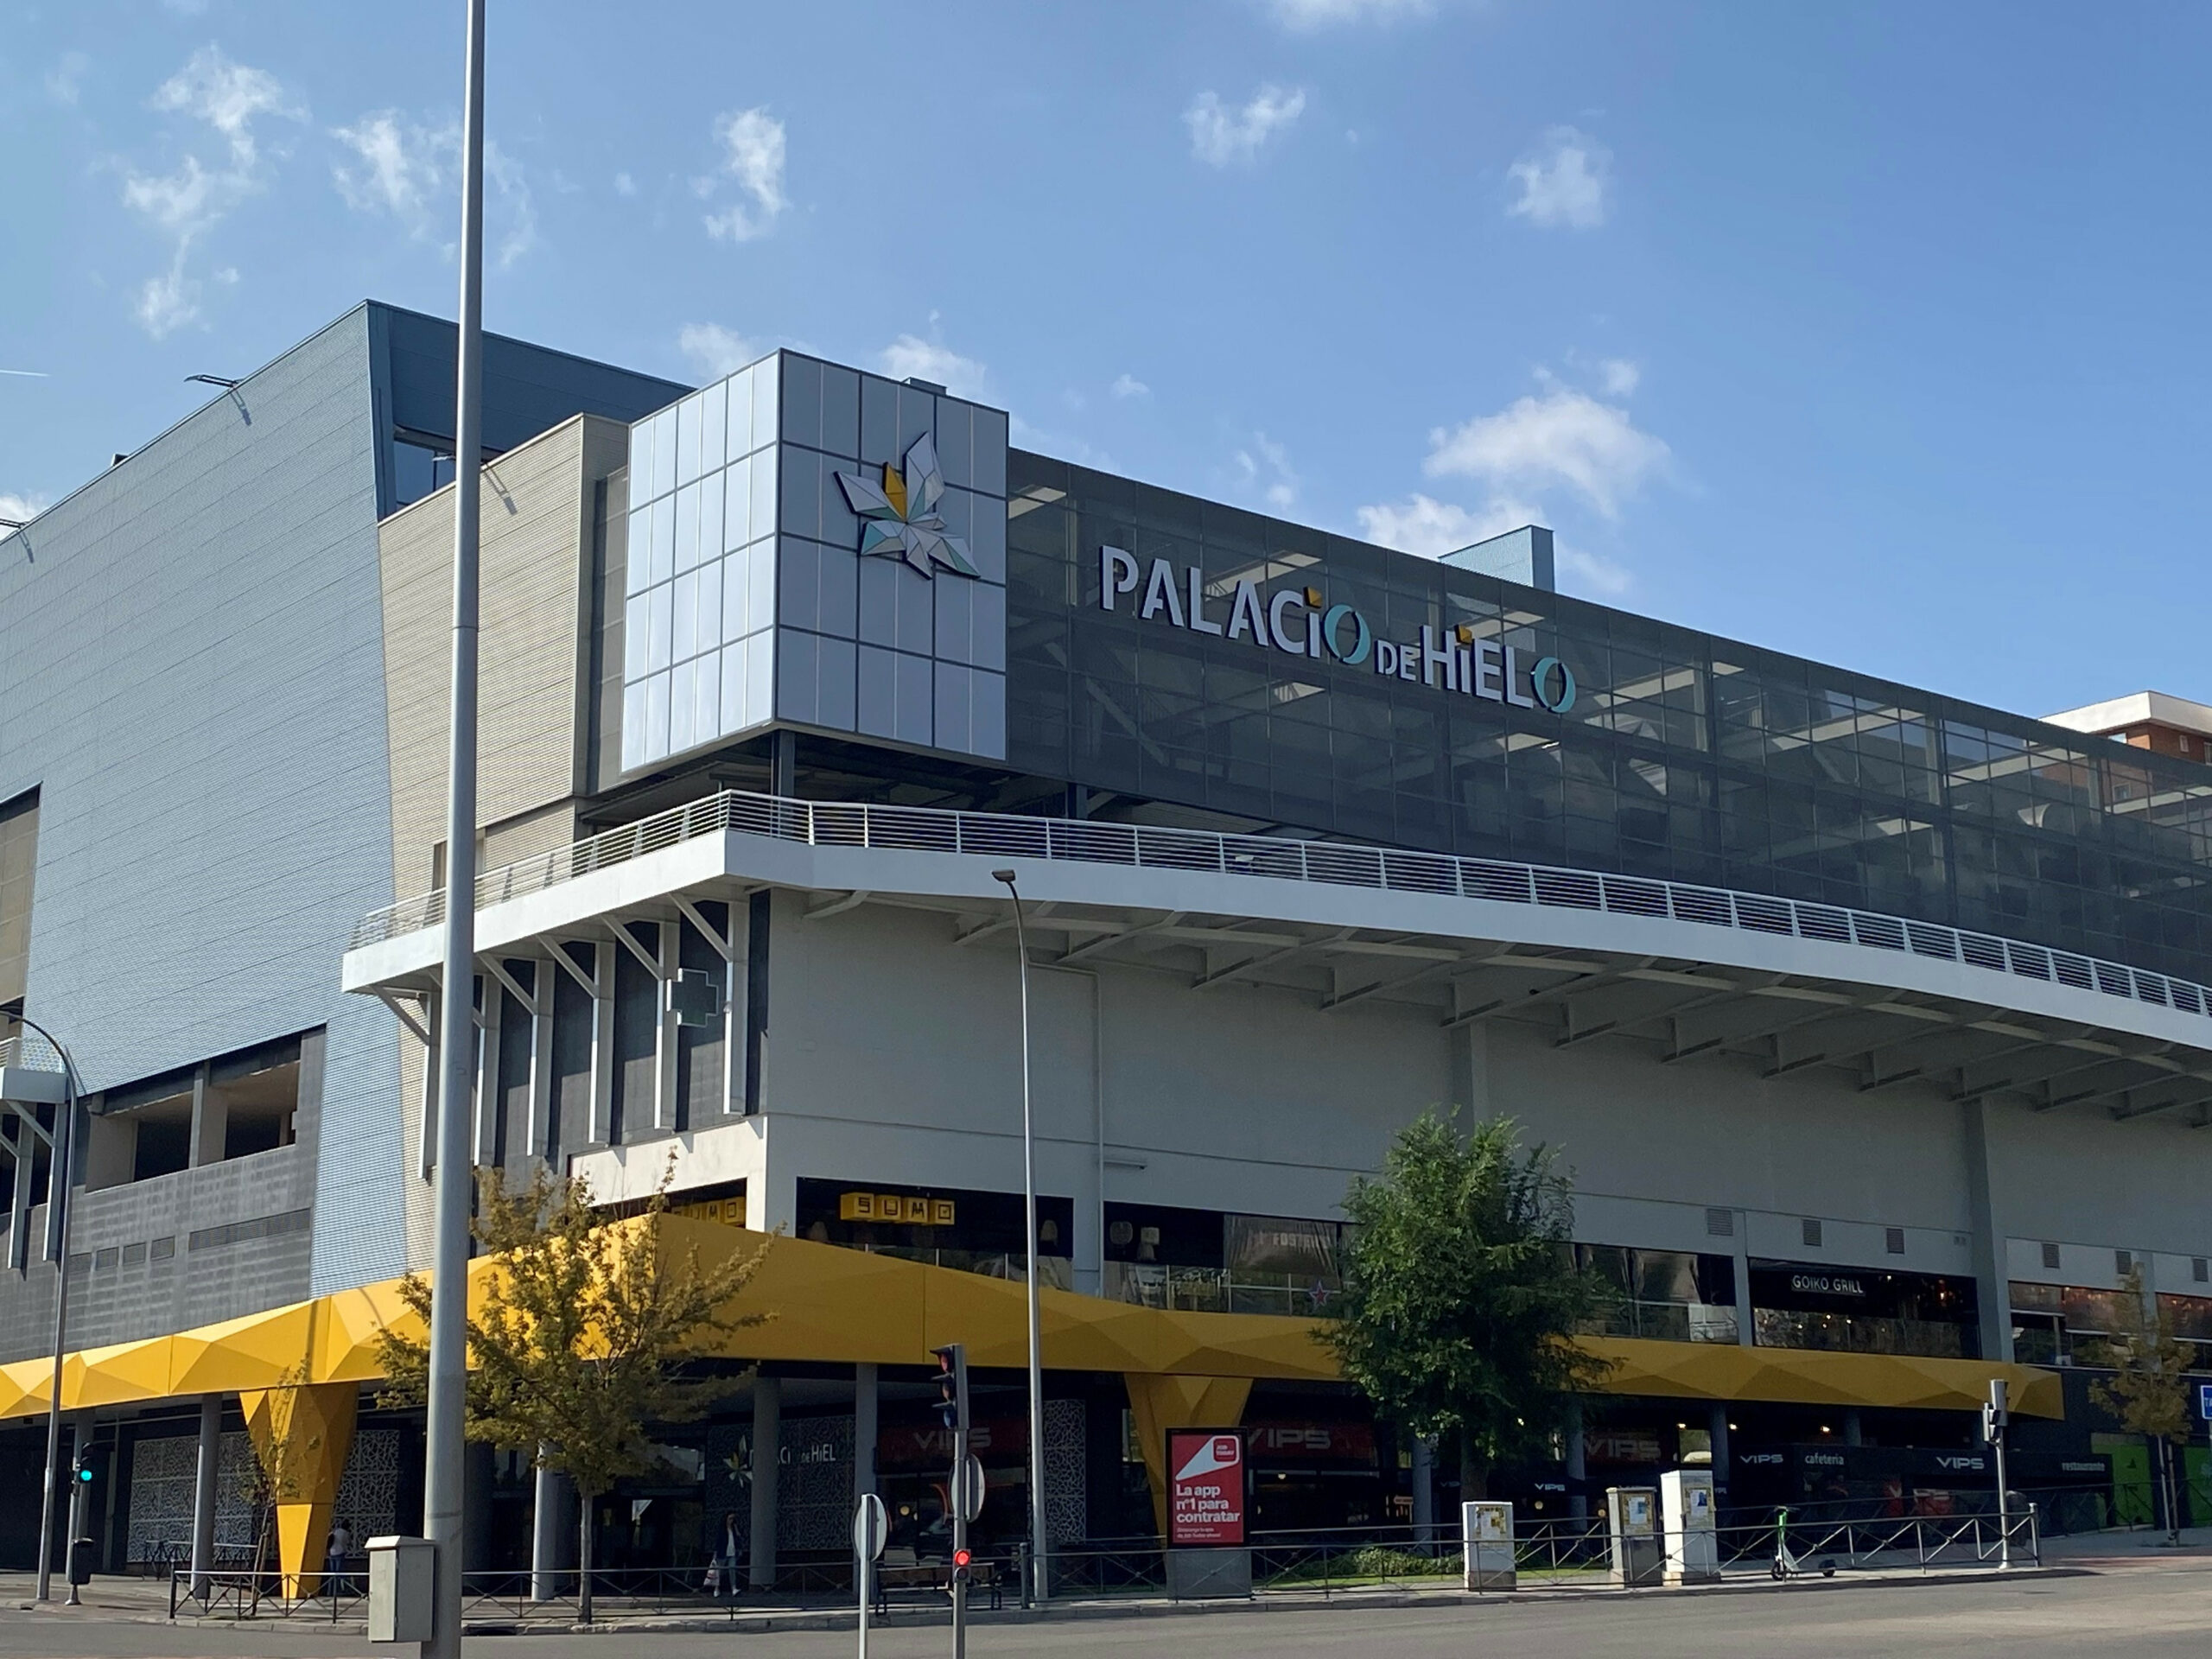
(1872, 1024)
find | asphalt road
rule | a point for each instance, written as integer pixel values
(2126, 1612)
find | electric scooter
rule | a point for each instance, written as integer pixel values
(1787, 1566)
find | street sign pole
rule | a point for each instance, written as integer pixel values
(1995, 1417)
(871, 1526)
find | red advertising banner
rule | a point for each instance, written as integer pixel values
(1206, 1487)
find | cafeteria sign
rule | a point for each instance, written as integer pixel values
(1206, 1487)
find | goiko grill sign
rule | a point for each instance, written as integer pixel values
(1297, 622)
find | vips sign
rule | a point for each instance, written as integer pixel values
(1206, 1487)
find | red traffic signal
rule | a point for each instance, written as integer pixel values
(963, 1557)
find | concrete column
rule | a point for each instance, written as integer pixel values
(1424, 1476)
(1718, 1420)
(1986, 1228)
(541, 1058)
(864, 1431)
(211, 1121)
(488, 1150)
(1853, 1431)
(203, 1491)
(1744, 1335)
(552, 1533)
(767, 1448)
(426, 1115)
(1577, 1504)
(477, 1476)
(602, 1044)
(667, 1038)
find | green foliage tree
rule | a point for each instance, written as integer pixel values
(2149, 1391)
(587, 1337)
(1461, 1294)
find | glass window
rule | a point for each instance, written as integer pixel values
(738, 438)
(685, 611)
(687, 528)
(638, 555)
(736, 717)
(683, 684)
(736, 589)
(637, 628)
(710, 517)
(708, 632)
(633, 723)
(707, 698)
(660, 555)
(663, 450)
(763, 465)
(641, 461)
(655, 717)
(689, 413)
(737, 507)
(660, 626)
(714, 404)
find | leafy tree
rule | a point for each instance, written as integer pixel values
(2148, 1391)
(582, 1339)
(1461, 1292)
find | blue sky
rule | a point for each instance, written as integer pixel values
(1873, 333)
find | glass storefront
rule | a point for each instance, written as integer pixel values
(1682, 755)
(1861, 1311)
(1662, 1295)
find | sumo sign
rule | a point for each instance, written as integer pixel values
(1206, 1487)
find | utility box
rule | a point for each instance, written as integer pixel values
(81, 1560)
(1692, 1540)
(1487, 1538)
(402, 1576)
(1209, 1574)
(1638, 1553)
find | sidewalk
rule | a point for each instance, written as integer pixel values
(147, 1600)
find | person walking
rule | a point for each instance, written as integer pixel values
(340, 1546)
(722, 1566)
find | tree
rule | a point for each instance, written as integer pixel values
(1461, 1292)
(2148, 1391)
(584, 1335)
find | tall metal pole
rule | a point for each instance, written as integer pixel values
(443, 1484)
(61, 1179)
(1038, 1576)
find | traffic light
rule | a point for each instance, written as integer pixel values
(1995, 1412)
(952, 1387)
(961, 1560)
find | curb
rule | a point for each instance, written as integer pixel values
(1349, 1600)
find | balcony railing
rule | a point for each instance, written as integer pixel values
(996, 834)
(1218, 1290)
(29, 1051)
(1666, 1322)
(1860, 1333)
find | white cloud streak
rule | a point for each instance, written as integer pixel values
(1325, 14)
(1564, 437)
(713, 350)
(410, 170)
(1264, 470)
(1221, 136)
(1566, 182)
(753, 156)
(1127, 386)
(187, 203)
(912, 357)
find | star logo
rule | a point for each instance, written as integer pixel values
(900, 517)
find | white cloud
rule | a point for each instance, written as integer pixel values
(713, 350)
(411, 170)
(1565, 182)
(753, 142)
(187, 204)
(1599, 574)
(1263, 469)
(1127, 386)
(228, 97)
(399, 166)
(21, 508)
(1620, 377)
(1430, 528)
(1321, 14)
(911, 357)
(625, 185)
(1221, 136)
(1564, 437)
(66, 78)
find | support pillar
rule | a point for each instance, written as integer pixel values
(479, 1473)
(1424, 1474)
(489, 1149)
(669, 1034)
(767, 1451)
(782, 764)
(1747, 1335)
(1161, 1402)
(552, 1533)
(203, 1491)
(602, 1045)
(864, 1431)
(303, 1436)
(1577, 1502)
(1986, 1228)
(538, 1142)
(1853, 1431)
(1718, 1420)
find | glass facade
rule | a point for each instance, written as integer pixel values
(1678, 754)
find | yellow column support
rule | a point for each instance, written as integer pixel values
(303, 1435)
(1161, 1402)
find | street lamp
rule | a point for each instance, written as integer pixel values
(61, 1176)
(1029, 1206)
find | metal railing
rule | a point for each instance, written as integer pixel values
(997, 835)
